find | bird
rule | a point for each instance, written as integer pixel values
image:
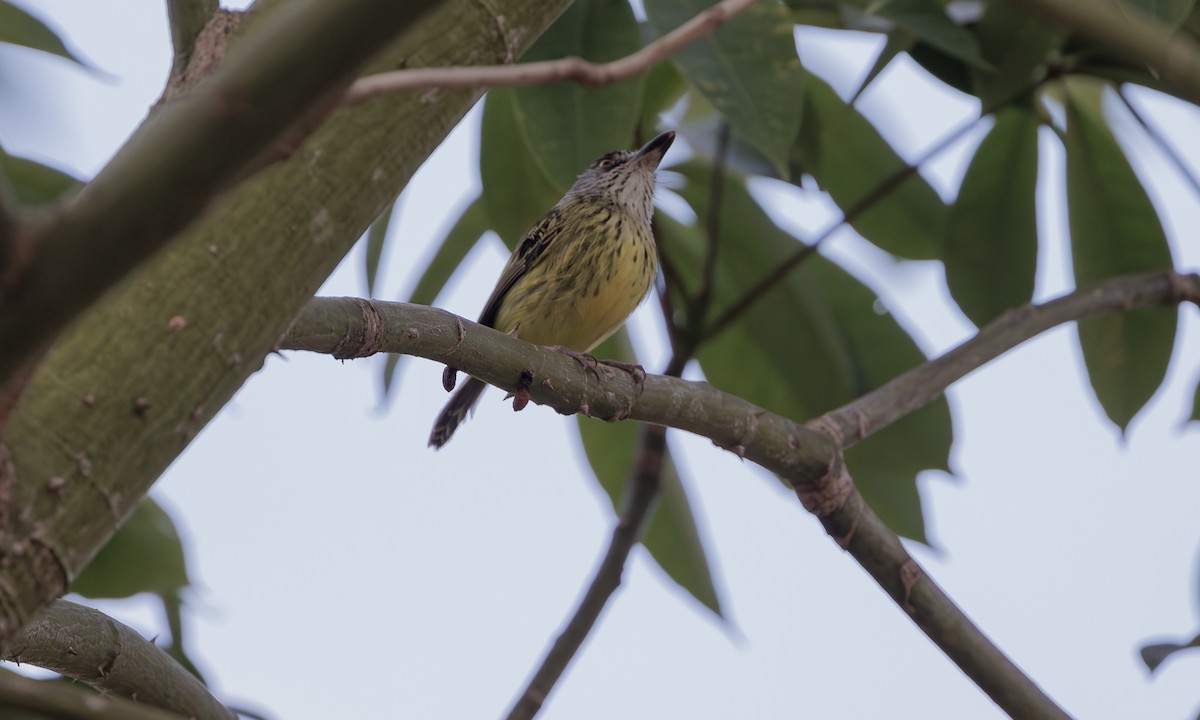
(579, 272)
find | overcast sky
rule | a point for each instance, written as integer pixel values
(343, 569)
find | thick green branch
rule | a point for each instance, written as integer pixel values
(173, 168)
(138, 375)
(87, 645)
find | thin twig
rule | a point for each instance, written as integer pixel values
(642, 491)
(571, 69)
(884, 188)
(1161, 141)
(712, 227)
(902, 395)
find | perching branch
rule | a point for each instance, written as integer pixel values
(173, 168)
(923, 384)
(806, 458)
(1172, 56)
(571, 69)
(89, 646)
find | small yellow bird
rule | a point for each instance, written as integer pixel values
(579, 272)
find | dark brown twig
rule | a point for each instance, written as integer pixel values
(1161, 141)
(640, 496)
(885, 187)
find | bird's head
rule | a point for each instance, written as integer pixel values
(625, 179)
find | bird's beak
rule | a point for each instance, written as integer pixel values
(653, 151)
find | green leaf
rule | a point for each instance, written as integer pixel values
(991, 240)
(748, 69)
(459, 240)
(809, 345)
(851, 160)
(1114, 231)
(1196, 403)
(897, 42)
(376, 237)
(34, 183)
(1154, 655)
(928, 21)
(516, 190)
(20, 28)
(570, 125)
(145, 555)
(1018, 46)
(671, 535)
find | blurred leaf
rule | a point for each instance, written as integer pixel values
(145, 555)
(34, 183)
(1196, 403)
(1172, 13)
(928, 21)
(459, 240)
(1155, 655)
(809, 345)
(991, 240)
(748, 69)
(516, 190)
(20, 28)
(1017, 45)
(1114, 231)
(850, 159)
(569, 125)
(945, 67)
(897, 42)
(671, 535)
(664, 86)
(376, 237)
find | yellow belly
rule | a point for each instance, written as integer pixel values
(584, 288)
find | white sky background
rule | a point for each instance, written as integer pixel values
(345, 570)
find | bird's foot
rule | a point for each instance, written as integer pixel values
(587, 361)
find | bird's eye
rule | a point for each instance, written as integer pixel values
(606, 164)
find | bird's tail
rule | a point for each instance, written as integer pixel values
(455, 411)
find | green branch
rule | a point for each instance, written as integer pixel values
(173, 168)
(86, 645)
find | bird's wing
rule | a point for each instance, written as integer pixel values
(526, 256)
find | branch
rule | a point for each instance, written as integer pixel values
(572, 69)
(881, 407)
(642, 491)
(1173, 56)
(87, 645)
(53, 699)
(806, 456)
(173, 168)
(134, 380)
